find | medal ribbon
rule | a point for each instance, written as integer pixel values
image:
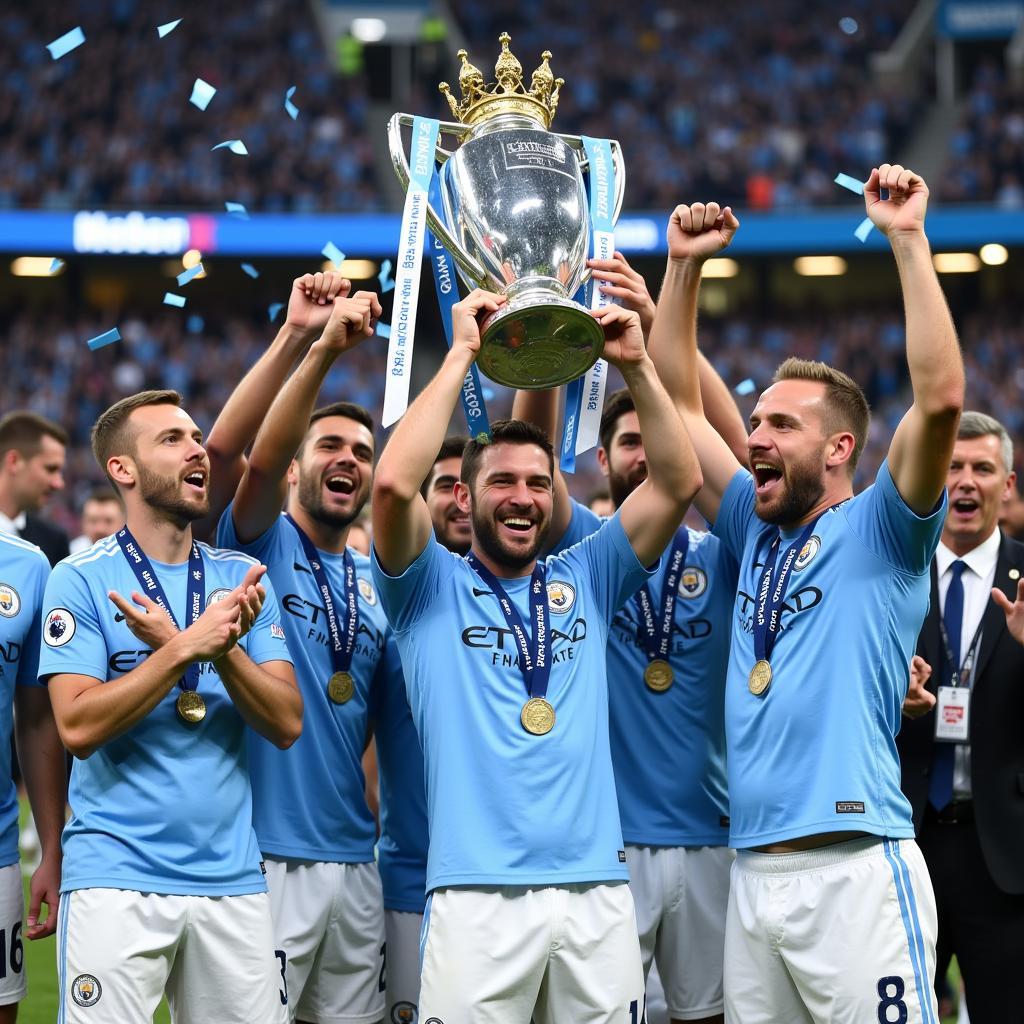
(584, 397)
(153, 589)
(656, 634)
(342, 645)
(534, 662)
(772, 591)
(447, 289)
(409, 263)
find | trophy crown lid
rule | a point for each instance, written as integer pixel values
(508, 94)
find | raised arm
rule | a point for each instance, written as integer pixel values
(262, 490)
(309, 307)
(695, 233)
(653, 512)
(923, 443)
(401, 520)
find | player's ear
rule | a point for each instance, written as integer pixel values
(121, 469)
(839, 448)
(293, 473)
(460, 492)
(602, 460)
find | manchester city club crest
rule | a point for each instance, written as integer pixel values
(561, 596)
(86, 990)
(692, 582)
(10, 602)
(366, 590)
(217, 595)
(58, 628)
(807, 553)
(404, 1013)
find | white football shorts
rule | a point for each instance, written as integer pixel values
(681, 896)
(214, 957)
(506, 954)
(329, 924)
(844, 934)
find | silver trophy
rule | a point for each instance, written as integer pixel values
(516, 220)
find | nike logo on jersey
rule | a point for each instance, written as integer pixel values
(301, 568)
(118, 617)
(480, 593)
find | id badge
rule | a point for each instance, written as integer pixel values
(952, 714)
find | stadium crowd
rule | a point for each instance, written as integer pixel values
(111, 124)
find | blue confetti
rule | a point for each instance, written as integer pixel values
(170, 299)
(386, 283)
(275, 308)
(251, 271)
(202, 93)
(293, 111)
(851, 183)
(235, 145)
(863, 230)
(56, 264)
(107, 338)
(186, 275)
(66, 43)
(849, 26)
(237, 210)
(488, 394)
(166, 30)
(384, 330)
(745, 387)
(333, 253)
(195, 324)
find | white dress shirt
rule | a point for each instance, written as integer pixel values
(14, 526)
(978, 579)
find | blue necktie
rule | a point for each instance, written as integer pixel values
(940, 786)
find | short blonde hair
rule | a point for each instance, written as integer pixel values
(110, 433)
(846, 407)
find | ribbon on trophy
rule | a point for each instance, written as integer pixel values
(446, 286)
(584, 397)
(409, 267)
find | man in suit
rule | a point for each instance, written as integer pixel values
(32, 451)
(967, 684)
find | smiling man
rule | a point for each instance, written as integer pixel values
(162, 888)
(831, 915)
(963, 761)
(504, 659)
(314, 826)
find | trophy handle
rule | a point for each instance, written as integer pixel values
(437, 225)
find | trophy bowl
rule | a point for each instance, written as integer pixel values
(516, 219)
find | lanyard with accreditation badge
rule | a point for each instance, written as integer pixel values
(953, 699)
(537, 716)
(655, 633)
(770, 596)
(341, 686)
(190, 705)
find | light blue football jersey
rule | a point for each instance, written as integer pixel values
(817, 752)
(309, 801)
(23, 573)
(164, 807)
(507, 807)
(402, 847)
(668, 749)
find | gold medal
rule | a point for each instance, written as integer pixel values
(191, 707)
(341, 687)
(760, 677)
(537, 716)
(658, 675)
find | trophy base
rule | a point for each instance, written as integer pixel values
(539, 340)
